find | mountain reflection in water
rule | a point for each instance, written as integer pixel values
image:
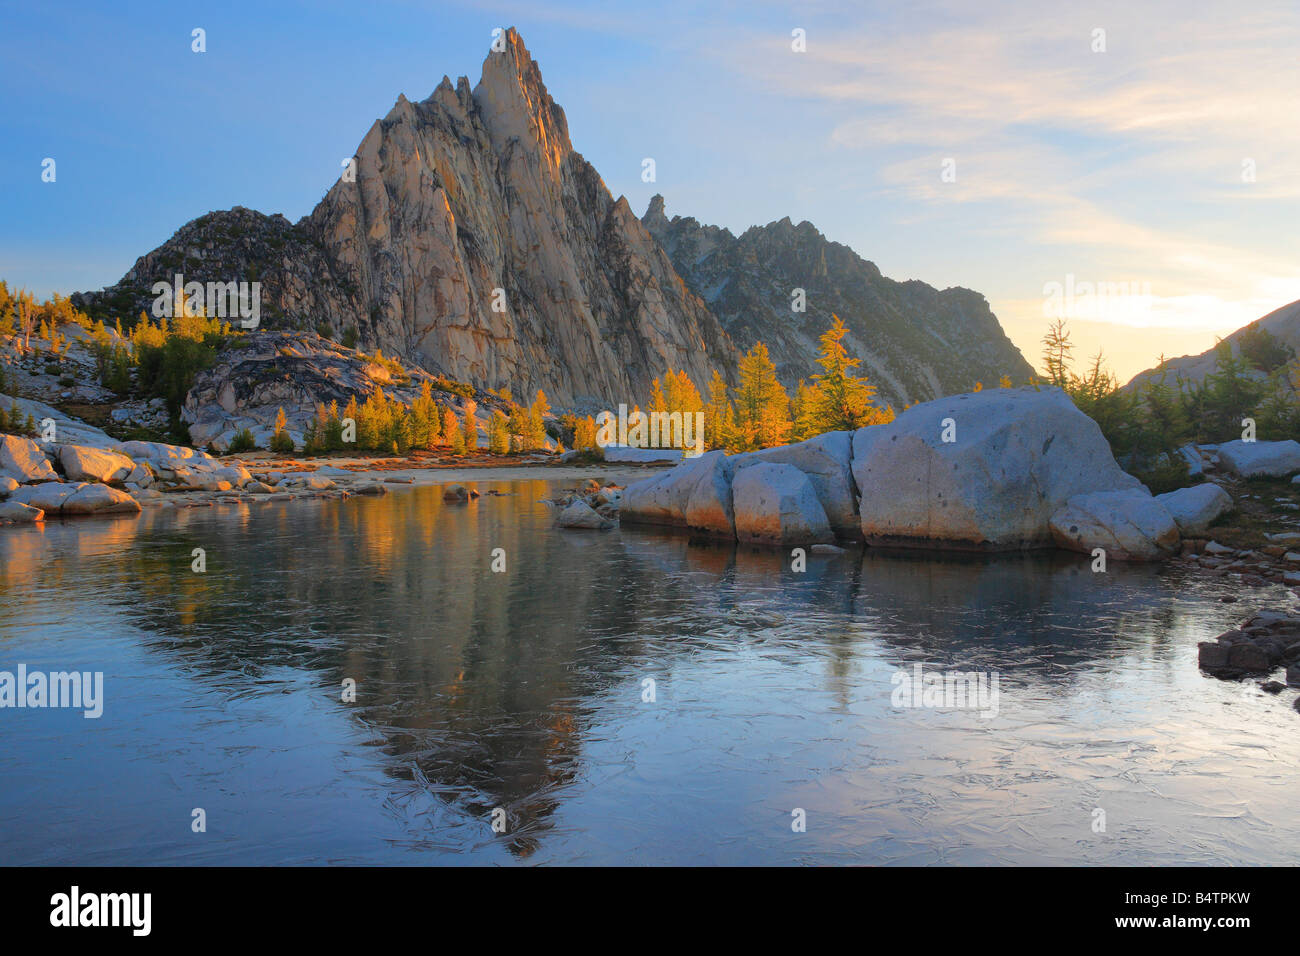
(522, 690)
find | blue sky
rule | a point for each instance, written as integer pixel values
(1122, 165)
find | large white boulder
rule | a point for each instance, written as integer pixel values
(23, 461)
(93, 464)
(1015, 458)
(776, 504)
(827, 461)
(1194, 509)
(708, 505)
(666, 498)
(1260, 459)
(1130, 525)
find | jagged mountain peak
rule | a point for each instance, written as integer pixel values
(515, 103)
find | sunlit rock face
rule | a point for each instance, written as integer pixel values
(471, 192)
(474, 241)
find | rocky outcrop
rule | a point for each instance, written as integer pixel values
(1260, 459)
(983, 471)
(66, 429)
(1129, 525)
(916, 342)
(776, 505)
(269, 371)
(1195, 508)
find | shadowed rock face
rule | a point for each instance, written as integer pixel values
(917, 343)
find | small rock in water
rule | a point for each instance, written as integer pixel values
(1272, 687)
(1212, 656)
(456, 492)
(1248, 657)
(580, 515)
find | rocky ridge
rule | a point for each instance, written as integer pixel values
(916, 342)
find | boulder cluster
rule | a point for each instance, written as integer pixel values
(996, 470)
(594, 506)
(1267, 641)
(68, 480)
